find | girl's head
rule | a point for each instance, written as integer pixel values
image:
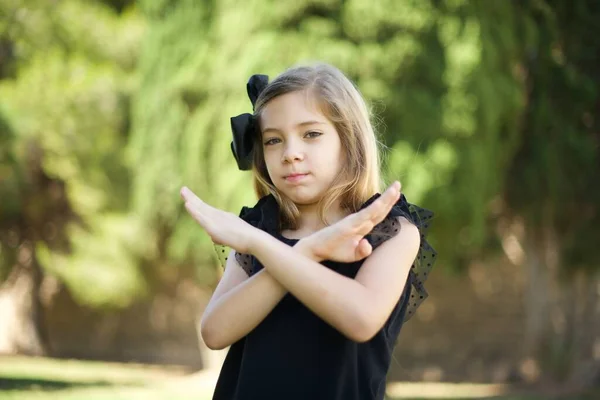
(315, 123)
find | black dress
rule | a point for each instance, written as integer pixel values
(294, 354)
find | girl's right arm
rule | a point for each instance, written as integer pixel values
(240, 303)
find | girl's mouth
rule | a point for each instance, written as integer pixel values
(295, 177)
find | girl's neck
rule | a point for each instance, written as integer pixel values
(309, 221)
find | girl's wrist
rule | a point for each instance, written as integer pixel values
(305, 247)
(256, 239)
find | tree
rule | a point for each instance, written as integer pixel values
(63, 89)
(551, 189)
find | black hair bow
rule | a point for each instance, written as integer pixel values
(245, 126)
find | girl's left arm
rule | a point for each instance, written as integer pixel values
(359, 307)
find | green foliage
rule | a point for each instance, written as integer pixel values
(121, 103)
(66, 107)
(191, 86)
(556, 168)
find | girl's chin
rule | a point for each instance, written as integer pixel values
(303, 198)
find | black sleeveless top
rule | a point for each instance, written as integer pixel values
(294, 354)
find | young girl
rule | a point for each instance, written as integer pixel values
(322, 273)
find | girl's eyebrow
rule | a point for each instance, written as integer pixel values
(301, 124)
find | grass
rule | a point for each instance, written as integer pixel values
(30, 378)
(26, 378)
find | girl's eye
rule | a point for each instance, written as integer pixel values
(271, 141)
(313, 134)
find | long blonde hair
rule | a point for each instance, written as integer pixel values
(340, 102)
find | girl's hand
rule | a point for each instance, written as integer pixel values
(344, 241)
(223, 227)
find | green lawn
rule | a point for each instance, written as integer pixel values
(26, 378)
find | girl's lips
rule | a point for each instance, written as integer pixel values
(295, 178)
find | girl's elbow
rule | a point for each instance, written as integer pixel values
(363, 335)
(362, 329)
(213, 343)
(211, 338)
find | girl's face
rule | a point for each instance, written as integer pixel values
(302, 148)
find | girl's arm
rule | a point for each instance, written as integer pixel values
(359, 307)
(240, 303)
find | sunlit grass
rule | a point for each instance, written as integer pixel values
(28, 378)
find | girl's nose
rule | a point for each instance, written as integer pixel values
(292, 154)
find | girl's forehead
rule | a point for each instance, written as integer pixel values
(286, 108)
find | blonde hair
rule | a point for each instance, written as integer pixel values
(341, 102)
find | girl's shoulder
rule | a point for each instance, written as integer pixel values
(390, 226)
(263, 215)
(426, 257)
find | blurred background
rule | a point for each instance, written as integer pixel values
(490, 116)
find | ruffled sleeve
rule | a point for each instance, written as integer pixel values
(262, 216)
(426, 256)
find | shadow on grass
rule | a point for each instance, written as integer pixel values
(591, 396)
(23, 384)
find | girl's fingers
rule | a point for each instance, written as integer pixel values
(366, 219)
(392, 193)
(197, 208)
(185, 193)
(377, 211)
(363, 249)
(389, 198)
(190, 198)
(194, 213)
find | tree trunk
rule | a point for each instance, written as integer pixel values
(562, 328)
(586, 352)
(22, 328)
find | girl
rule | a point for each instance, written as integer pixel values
(320, 281)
